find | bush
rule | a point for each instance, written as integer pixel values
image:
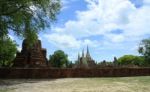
(8, 49)
(131, 60)
(59, 59)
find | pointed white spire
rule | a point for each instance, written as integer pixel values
(83, 53)
(88, 53)
(87, 50)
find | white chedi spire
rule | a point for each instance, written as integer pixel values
(88, 53)
(83, 53)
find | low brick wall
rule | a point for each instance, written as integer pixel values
(64, 73)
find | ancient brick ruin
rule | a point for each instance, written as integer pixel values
(31, 57)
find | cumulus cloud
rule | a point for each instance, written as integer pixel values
(101, 18)
(68, 41)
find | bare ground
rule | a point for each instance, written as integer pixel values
(122, 84)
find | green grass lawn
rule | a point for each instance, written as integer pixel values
(116, 84)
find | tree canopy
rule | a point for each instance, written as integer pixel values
(144, 49)
(27, 17)
(59, 59)
(8, 50)
(131, 60)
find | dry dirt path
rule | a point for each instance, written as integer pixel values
(124, 84)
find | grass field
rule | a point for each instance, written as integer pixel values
(120, 84)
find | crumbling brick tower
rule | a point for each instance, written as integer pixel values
(31, 57)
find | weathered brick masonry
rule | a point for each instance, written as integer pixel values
(64, 73)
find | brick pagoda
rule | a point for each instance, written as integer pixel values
(33, 57)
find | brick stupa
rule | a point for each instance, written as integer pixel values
(33, 57)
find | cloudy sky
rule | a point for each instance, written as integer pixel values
(109, 27)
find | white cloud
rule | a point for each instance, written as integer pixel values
(101, 18)
(64, 41)
(139, 22)
(68, 41)
(115, 38)
(147, 2)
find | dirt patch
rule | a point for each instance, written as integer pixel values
(125, 84)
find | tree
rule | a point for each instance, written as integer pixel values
(27, 17)
(8, 49)
(131, 60)
(144, 49)
(59, 59)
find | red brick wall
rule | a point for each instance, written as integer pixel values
(63, 73)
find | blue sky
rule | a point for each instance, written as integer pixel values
(109, 27)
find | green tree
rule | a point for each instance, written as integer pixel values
(131, 60)
(59, 59)
(27, 17)
(8, 49)
(144, 49)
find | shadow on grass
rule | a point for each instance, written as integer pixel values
(10, 82)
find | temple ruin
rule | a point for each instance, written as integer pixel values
(85, 61)
(31, 57)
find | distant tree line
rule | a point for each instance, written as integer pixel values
(132, 60)
(124, 61)
(60, 59)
